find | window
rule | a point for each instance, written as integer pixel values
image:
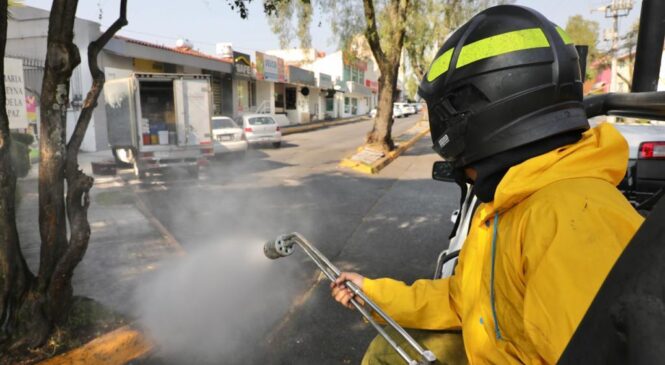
(243, 95)
(330, 104)
(290, 98)
(222, 123)
(347, 73)
(347, 105)
(261, 121)
(354, 106)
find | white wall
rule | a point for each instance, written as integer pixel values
(331, 64)
(26, 37)
(265, 91)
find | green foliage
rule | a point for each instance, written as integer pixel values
(280, 18)
(431, 22)
(585, 32)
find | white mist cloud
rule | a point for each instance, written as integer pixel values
(216, 304)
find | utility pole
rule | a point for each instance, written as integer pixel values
(617, 9)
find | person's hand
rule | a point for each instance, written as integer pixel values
(341, 293)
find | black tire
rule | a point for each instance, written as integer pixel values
(277, 144)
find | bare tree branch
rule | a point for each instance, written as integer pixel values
(62, 57)
(78, 183)
(372, 33)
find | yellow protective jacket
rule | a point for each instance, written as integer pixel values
(534, 258)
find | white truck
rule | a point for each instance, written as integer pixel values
(158, 121)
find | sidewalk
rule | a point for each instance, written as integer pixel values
(300, 128)
(124, 245)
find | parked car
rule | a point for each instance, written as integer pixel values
(416, 107)
(260, 129)
(397, 112)
(646, 160)
(407, 109)
(227, 136)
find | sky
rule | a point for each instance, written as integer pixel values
(207, 22)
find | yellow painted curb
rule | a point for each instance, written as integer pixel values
(117, 347)
(380, 164)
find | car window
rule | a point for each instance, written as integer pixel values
(261, 121)
(222, 123)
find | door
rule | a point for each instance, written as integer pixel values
(120, 108)
(193, 111)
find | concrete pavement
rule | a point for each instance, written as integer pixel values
(392, 224)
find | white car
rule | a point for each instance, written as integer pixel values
(372, 113)
(227, 136)
(407, 109)
(260, 129)
(397, 112)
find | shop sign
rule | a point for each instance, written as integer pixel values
(269, 68)
(325, 81)
(31, 108)
(372, 85)
(15, 93)
(242, 64)
(298, 75)
(141, 65)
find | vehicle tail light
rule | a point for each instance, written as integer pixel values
(248, 129)
(652, 150)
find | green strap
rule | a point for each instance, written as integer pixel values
(518, 40)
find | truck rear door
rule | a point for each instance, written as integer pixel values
(193, 111)
(120, 108)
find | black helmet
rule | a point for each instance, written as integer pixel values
(506, 78)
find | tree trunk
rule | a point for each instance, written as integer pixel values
(15, 277)
(31, 307)
(388, 62)
(381, 133)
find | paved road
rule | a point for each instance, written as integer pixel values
(242, 308)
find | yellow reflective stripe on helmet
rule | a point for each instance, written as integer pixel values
(564, 36)
(440, 65)
(518, 40)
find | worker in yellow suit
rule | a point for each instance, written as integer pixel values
(504, 97)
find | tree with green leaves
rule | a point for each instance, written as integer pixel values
(383, 24)
(585, 32)
(33, 305)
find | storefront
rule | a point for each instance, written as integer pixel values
(357, 100)
(270, 90)
(373, 86)
(244, 97)
(301, 96)
(326, 97)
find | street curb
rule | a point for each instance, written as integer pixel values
(286, 130)
(166, 234)
(378, 165)
(116, 347)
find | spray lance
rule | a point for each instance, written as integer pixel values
(284, 245)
